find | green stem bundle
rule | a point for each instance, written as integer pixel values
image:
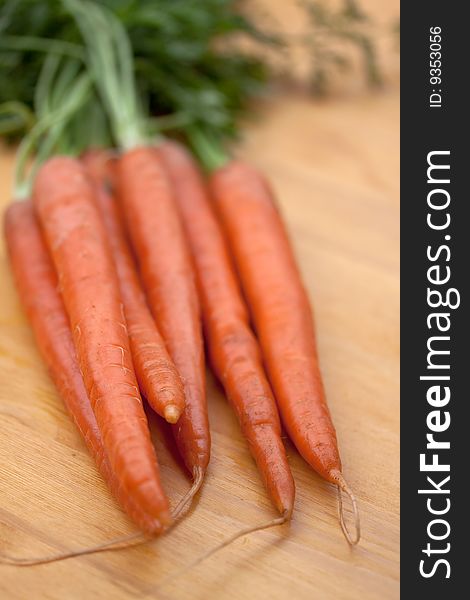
(109, 56)
(58, 99)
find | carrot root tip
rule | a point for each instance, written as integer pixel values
(342, 486)
(171, 413)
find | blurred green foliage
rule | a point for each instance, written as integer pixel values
(182, 65)
(331, 29)
(190, 67)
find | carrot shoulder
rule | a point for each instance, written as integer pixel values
(280, 309)
(36, 282)
(63, 199)
(157, 376)
(167, 273)
(233, 348)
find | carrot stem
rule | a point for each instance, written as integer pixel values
(53, 120)
(42, 44)
(209, 152)
(109, 56)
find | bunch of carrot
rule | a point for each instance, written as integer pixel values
(124, 261)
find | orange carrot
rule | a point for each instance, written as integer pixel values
(167, 273)
(74, 233)
(152, 219)
(233, 348)
(36, 282)
(281, 313)
(157, 376)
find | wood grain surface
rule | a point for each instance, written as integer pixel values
(335, 168)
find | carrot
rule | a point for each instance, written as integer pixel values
(167, 273)
(153, 223)
(63, 199)
(157, 376)
(233, 348)
(282, 316)
(36, 282)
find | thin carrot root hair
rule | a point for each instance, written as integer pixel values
(121, 543)
(198, 478)
(284, 518)
(137, 539)
(343, 487)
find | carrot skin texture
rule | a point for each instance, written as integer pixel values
(158, 239)
(233, 348)
(157, 375)
(63, 199)
(280, 310)
(36, 282)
